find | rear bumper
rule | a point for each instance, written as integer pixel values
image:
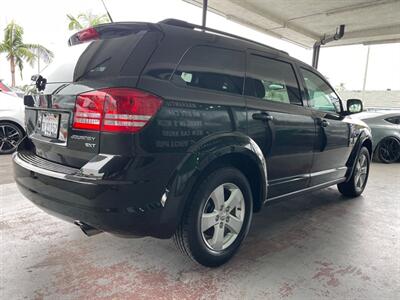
(131, 208)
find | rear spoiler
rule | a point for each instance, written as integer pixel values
(109, 31)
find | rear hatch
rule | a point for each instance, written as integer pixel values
(88, 91)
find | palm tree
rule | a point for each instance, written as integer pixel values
(86, 20)
(17, 51)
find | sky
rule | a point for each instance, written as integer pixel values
(45, 22)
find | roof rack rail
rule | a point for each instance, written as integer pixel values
(184, 24)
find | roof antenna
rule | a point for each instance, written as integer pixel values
(108, 14)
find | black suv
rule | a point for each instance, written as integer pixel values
(171, 129)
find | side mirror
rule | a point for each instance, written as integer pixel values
(354, 106)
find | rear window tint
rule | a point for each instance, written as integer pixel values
(212, 68)
(101, 59)
(272, 80)
(106, 58)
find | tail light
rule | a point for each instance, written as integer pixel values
(115, 110)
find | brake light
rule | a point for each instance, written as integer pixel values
(115, 110)
(85, 35)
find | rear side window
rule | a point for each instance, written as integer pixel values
(272, 80)
(394, 120)
(212, 68)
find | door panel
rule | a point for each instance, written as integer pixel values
(287, 142)
(332, 148)
(277, 121)
(332, 144)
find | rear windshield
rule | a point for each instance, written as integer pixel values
(106, 58)
(95, 60)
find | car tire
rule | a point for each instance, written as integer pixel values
(217, 219)
(10, 136)
(358, 180)
(388, 150)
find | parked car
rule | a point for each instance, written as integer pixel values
(165, 130)
(385, 127)
(6, 89)
(11, 122)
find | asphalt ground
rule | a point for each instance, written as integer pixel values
(319, 246)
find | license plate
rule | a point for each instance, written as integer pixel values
(50, 124)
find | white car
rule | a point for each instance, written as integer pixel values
(12, 122)
(6, 89)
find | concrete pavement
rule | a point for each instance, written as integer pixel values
(313, 247)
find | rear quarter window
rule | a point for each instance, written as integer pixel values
(394, 120)
(272, 80)
(212, 68)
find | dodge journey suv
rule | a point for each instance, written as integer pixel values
(174, 130)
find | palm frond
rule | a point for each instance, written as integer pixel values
(17, 52)
(25, 54)
(41, 52)
(3, 48)
(74, 23)
(84, 20)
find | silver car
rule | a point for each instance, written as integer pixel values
(385, 127)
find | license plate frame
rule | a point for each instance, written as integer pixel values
(50, 125)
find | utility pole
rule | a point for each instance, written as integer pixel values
(204, 17)
(38, 61)
(365, 74)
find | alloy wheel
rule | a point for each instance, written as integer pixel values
(389, 150)
(361, 171)
(223, 216)
(10, 136)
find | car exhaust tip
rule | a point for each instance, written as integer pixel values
(87, 229)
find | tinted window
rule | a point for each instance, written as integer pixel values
(320, 94)
(394, 120)
(114, 56)
(213, 69)
(272, 80)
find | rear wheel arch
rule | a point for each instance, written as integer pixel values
(364, 140)
(14, 123)
(228, 149)
(222, 150)
(246, 164)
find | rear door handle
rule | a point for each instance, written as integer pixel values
(262, 116)
(322, 122)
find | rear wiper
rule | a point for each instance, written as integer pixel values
(40, 82)
(91, 69)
